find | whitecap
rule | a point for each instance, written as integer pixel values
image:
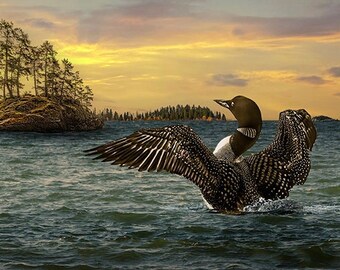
(273, 206)
(322, 209)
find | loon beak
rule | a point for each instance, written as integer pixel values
(223, 103)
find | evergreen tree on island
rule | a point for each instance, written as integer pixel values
(19, 59)
(58, 101)
(169, 113)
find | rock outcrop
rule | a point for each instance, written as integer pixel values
(42, 114)
(323, 118)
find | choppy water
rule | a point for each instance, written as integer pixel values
(61, 210)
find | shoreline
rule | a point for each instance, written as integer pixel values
(43, 114)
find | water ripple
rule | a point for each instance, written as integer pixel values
(60, 210)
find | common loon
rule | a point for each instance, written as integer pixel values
(226, 185)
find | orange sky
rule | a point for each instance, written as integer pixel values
(139, 55)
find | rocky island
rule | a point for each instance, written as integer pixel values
(58, 100)
(42, 114)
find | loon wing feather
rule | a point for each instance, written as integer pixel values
(176, 149)
(272, 175)
(285, 162)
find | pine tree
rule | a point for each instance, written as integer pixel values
(54, 77)
(66, 78)
(87, 97)
(115, 116)
(7, 52)
(22, 58)
(50, 68)
(36, 68)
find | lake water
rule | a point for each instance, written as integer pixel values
(61, 210)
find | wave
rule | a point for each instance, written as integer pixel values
(283, 206)
(287, 206)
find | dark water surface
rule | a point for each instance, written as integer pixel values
(61, 210)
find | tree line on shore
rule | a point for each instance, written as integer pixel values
(170, 113)
(50, 77)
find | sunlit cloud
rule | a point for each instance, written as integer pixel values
(316, 80)
(270, 75)
(139, 22)
(334, 71)
(227, 80)
(323, 25)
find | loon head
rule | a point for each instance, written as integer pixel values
(299, 124)
(248, 116)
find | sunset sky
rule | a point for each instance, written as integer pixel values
(139, 55)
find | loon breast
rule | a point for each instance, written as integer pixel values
(223, 150)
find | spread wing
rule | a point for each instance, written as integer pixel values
(176, 149)
(285, 162)
(273, 176)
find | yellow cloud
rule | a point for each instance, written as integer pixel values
(273, 75)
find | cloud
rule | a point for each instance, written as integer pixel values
(334, 71)
(325, 23)
(290, 27)
(39, 23)
(316, 80)
(227, 80)
(142, 22)
(156, 9)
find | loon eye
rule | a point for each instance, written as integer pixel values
(232, 104)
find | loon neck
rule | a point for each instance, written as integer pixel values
(244, 138)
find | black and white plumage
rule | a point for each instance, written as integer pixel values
(248, 116)
(285, 162)
(225, 185)
(177, 149)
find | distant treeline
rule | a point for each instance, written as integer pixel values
(20, 60)
(178, 112)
